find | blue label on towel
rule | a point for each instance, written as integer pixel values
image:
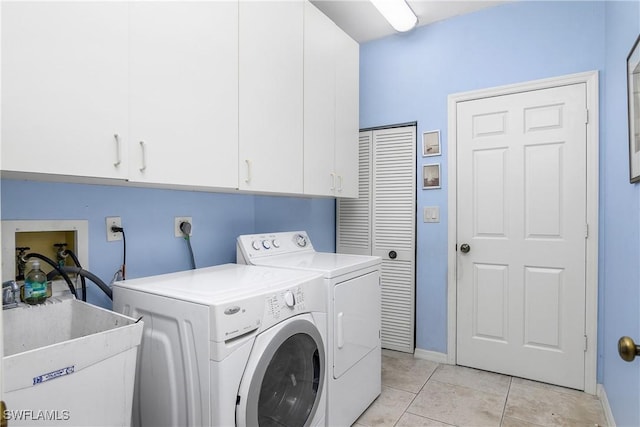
(53, 375)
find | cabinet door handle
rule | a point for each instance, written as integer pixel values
(340, 330)
(333, 181)
(144, 156)
(248, 179)
(339, 183)
(118, 160)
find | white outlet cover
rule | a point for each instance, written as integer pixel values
(110, 222)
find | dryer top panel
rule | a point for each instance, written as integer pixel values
(328, 264)
(219, 284)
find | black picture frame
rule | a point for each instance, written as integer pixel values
(633, 107)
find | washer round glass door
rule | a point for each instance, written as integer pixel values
(287, 383)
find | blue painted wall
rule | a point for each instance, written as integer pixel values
(148, 217)
(620, 229)
(405, 78)
(408, 77)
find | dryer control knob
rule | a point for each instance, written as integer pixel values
(300, 240)
(255, 245)
(289, 299)
(266, 244)
(276, 243)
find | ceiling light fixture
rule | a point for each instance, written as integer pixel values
(398, 13)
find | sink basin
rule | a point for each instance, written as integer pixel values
(69, 363)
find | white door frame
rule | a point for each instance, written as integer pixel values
(591, 310)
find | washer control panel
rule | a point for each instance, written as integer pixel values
(257, 245)
(283, 304)
(260, 311)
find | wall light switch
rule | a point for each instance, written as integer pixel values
(431, 214)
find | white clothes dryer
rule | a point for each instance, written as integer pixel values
(354, 312)
(230, 345)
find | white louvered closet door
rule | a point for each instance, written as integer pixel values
(381, 222)
(354, 215)
(393, 232)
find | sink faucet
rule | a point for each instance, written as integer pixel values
(10, 294)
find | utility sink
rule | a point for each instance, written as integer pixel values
(69, 363)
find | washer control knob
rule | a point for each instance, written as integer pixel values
(289, 299)
(276, 243)
(266, 244)
(255, 245)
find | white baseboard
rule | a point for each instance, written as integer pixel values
(602, 394)
(432, 356)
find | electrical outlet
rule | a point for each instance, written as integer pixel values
(113, 221)
(176, 225)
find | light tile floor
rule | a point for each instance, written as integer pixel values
(419, 393)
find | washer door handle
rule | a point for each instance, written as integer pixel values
(393, 254)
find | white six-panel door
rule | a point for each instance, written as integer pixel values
(521, 208)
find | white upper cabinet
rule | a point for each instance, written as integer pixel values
(320, 34)
(184, 93)
(347, 114)
(64, 88)
(271, 96)
(260, 96)
(330, 108)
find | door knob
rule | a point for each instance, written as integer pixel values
(4, 422)
(393, 254)
(627, 349)
(464, 248)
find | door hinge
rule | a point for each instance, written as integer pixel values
(586, 116)
(585, 342)
(586, 231)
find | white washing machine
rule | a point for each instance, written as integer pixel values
(353, 300)
(231, 345)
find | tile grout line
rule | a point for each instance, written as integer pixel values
(504, 408)
(415, 396)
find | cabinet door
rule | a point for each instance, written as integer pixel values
(271, 34)
(64, 88)
(319, 102)
(347, 115)
(393, 236)
(184, 93)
